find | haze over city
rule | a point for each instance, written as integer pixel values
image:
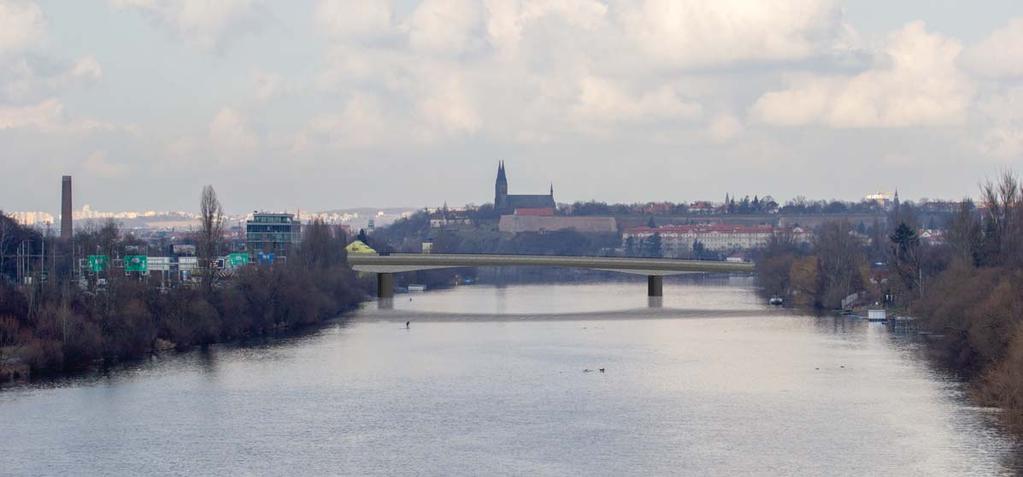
(316, 104)
(511, 237)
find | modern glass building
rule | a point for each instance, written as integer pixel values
(271, 234)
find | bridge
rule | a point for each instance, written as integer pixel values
(385, 266)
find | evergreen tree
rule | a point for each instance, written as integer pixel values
(905, 255)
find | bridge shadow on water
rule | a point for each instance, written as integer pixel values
(649, 313)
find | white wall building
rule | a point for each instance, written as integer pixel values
(678, 240)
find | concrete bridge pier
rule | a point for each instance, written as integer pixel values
(385, 285)
(654, 286)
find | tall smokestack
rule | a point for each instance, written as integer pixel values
(65, 208)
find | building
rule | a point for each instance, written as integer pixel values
(271, 234)
(542, 212)
(678, 240)
(32, 218)
(505, 203)
(702, 208)
(445, 217)
(545, 223)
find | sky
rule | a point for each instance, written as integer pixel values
(330, 104)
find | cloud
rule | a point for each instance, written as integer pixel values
(1003, 136)
(355, 18)
(48, 116)
(446, 108)
(445, 26)
(205, 23)
(602, 100)
(27, 79)
(360, 124)
(97, 164)
(698, 33)
(22, 25)
(723, 128)
(267, 86)
(1000, 55)
(529, 69)
(86, 68)
(915, 82)
(229, 133)
(509, 22)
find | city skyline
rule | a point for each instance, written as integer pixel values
(320, 102)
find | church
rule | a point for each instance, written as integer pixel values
(508, 204)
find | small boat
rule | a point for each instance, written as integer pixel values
(776, 300)
(415, 287)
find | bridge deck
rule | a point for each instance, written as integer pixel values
(406, 262)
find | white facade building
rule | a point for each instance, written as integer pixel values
(678, 240)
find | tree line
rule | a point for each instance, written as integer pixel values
(966, 290)
(57, 326)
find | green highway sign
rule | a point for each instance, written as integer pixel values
(237, 259)
(98, 263)
(136, 263)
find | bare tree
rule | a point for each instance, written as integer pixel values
(1003, 219)
(211, 234)
(10, 337)
(840, 263)
(7, 233)
(965, 234)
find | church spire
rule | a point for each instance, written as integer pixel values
(501, 177)
(500, 188)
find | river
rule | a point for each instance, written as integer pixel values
(489, 380)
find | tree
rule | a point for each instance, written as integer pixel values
(211, 234)
(8, 230)
(652, 246)
(698, 250)
(905, 253)
(804, 281)
(840, 263)
(11, 337)
(630, 246)
(322, 246)
(1003, 220)
(964, 233)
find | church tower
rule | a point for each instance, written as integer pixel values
(500, 188)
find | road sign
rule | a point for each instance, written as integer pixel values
(237, 259)
(98, 263)
(136, 263)
(158, 264)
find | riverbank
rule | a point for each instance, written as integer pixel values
(59, 327)
(131, 321)
(966, 295)
(796, 394)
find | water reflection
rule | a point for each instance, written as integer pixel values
(491, 381)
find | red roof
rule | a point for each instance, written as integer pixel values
(539, 211)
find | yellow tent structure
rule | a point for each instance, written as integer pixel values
(359, 247)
